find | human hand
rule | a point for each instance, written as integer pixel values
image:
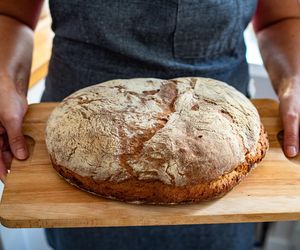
(289, 97)
(15, 64)
(13, 106)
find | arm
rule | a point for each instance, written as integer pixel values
(17, 22)
(277, 26)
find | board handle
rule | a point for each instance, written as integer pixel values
(30, 142)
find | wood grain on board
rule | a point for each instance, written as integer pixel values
(35, 196)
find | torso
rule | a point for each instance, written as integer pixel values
(100, 40)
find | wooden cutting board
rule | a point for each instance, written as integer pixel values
(35, 196)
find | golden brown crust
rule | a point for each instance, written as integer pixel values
(156, 192)
(156, 141)
(181, 131)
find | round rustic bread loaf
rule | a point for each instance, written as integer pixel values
(156, 141)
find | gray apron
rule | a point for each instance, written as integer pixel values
(99, 40)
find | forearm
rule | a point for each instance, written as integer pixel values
(15, 52)
(17, 22)
(277, 25)
(279, 45)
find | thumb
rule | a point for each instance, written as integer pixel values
(291, 135)
(13, 126)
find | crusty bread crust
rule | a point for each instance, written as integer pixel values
(156, 192)
(156, 141)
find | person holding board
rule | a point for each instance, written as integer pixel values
(100, 40)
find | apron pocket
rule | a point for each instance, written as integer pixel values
(205, 29)
(129, 26)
